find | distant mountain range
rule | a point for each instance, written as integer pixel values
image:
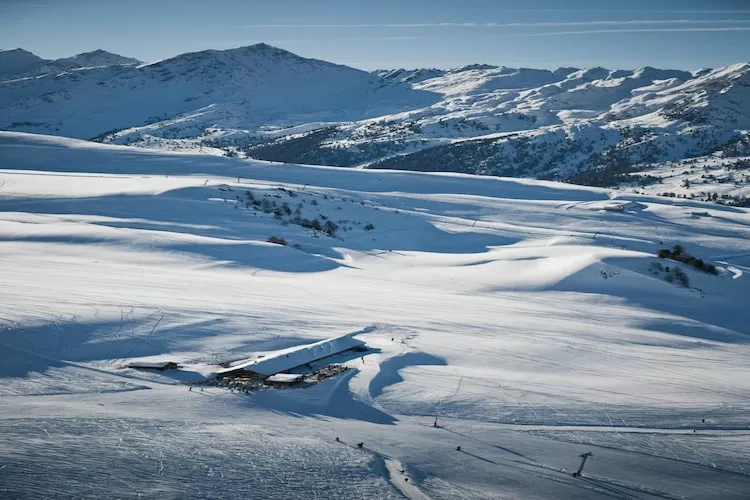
(592, 125)
(19, 63)
(193, 95)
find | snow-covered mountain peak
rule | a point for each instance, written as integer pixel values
(651, 73)
(17, 61)
(476, 79)
(18, 52)
(595, 73)
(99, 57)
(720, 79)
(470, 67)
(735, 71)
(20, 63)
(265, 49)
(245, 87)
(256, 58)
(565, 71)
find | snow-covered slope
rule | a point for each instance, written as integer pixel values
(531, 321)
(720, 180)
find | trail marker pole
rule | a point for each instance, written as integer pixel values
(584, 457)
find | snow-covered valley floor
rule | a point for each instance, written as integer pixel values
(527, 316)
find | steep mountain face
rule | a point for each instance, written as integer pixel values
(245, 88)
(18, 61)
(592, 125)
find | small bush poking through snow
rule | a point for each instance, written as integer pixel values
(330, 228)
(672, 274)
(680, 255)
(276, 240)
(369, 227)
(677, 275)
(656, 267)
(313, 224)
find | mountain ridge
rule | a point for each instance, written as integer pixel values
(246, 87)
(268, 103)
(21, 63)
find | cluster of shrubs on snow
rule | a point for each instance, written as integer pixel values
(736, 146)
(283, 211)
(720, 199)
(613, 175)
(731, 177)
(674, 274)
(276, 240)
(680, 255)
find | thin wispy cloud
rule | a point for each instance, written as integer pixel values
(634, 30)
(339, 38)
(725, 11)
(657, 11)
(543, 24)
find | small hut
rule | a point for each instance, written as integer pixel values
(154, 365)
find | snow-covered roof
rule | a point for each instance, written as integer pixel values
(292, 357)
(284, 378)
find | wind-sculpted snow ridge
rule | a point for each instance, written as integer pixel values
(510, 326)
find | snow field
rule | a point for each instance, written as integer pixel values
(519, 312)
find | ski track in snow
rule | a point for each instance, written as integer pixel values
(400, 481)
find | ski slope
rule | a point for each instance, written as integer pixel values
(522, 314)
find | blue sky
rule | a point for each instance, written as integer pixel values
(685, 34)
